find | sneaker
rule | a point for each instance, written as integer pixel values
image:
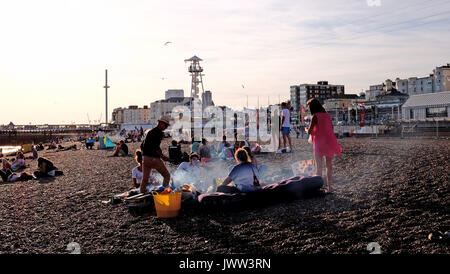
(288, 149)
(279, 151)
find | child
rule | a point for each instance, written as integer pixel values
(324, 141)
(136, 173)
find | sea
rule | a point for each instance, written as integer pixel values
(9, 149)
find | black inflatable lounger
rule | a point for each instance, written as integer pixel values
(287, 189)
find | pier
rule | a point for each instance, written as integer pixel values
(23, 134)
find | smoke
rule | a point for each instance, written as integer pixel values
(203, 179)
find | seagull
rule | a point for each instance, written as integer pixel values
(243, 86)
(163, 78)
(166, 43)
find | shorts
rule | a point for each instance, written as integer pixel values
(285, 130)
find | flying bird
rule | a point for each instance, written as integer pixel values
(243, 86)
(166, 43)
(163, 78)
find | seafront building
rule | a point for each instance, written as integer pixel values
(300, 94)
(164, 107)
(437, 81)
(425, 106)
(133, 115)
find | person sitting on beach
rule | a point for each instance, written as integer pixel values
(324, 141)
(244, 143)
(205, 151)
(46, 169)
(136, 173)
(52, 145)
(121, 149)
(194, 146)
(256, 149)
(189, 171)
(185, 157)
(175, 153)
(245, 175)
(40, 147)
(223, 144)
(90, 143)
(18, 163)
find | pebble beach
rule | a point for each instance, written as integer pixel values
(390, 191)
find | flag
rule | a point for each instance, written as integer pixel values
(363, 116)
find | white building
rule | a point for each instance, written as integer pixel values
(432, 105)
(164, 107)
(174, 93)
(436, 82)
(117, 116)
(133, 115)
(374, 91)
(442, 78)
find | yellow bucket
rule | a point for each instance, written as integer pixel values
(167, 205)
(26, 148)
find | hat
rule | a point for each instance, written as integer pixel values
(165, 120)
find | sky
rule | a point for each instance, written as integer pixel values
(53, 54)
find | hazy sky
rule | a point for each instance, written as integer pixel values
(53, 53)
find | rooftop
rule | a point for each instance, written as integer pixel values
(429, 99)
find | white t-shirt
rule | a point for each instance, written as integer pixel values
(287, 117)
(137, 174)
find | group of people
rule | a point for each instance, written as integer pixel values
(134, 135)
(10, 170)
(245, 175)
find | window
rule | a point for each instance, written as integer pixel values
(436, 112)
(411, 114)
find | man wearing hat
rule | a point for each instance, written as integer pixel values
(152, 154)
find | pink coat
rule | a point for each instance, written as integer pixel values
(323, 138)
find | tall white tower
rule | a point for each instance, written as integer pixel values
(196, 73)
(106, 96)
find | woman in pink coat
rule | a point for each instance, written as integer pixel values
(324, 141)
